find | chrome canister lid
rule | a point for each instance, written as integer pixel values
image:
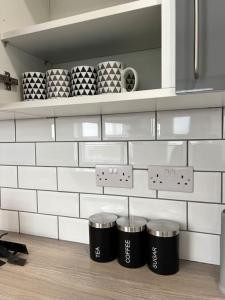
(163, 228)
(102, 220)
(131, 224)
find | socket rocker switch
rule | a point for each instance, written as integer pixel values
(176, 179)
(114, 176)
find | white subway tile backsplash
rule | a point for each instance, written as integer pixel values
(47, 174)
(94, 153)
(189, 124)
(142, 154)
(92, 204)
(136, 126)
(17, 154)
(140, 186)
(43, 178)
(60, 204)
(207, 188)
(74, 230)
(87, 128)
(9, 221)
(37, 224)
(200, 247)
(35, 130)
(8, 176)
(57, 154)
(78, 180)
(207, 155)
(205, 217)
(159, 209)
(7, 131)
(18, 199)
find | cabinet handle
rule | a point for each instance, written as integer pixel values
(196, 39)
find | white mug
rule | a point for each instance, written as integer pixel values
(114, 78)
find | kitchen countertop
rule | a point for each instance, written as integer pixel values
(62, 270)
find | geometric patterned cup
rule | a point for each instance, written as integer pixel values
(58, 83)
(83, 81)
(34, 86)
(113, 78)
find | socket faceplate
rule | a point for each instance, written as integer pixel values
(114, 176)
(176, 179)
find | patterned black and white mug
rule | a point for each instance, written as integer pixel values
(34, 86)
(83, 81)
(58, 83)
(114, 78)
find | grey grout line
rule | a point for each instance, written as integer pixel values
(187, 149)
(78, 154)
(79, 203)
(101, 129)
(150, 140)
(128, 154)
(187, 214)
(37, 201)
(17, 175)
(156, 126)
(57, 179)
(58, 226)
(222, 191)
(15, 130)
(222, 122)
(35, 153)
(19, 221)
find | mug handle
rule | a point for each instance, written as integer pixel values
(123, 79)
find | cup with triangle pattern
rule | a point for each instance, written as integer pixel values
(83, 81)
(113, 77)
(58, 83)
(34, 86)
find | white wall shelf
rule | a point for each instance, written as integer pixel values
(119, 29)
(154, 100)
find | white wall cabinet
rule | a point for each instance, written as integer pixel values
(140, 33)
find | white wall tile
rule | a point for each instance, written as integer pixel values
(57, 154)
(74, 230)
(35, 130)
(159, 209)
(207, 188)
(37, 178)
(223, 188)
(78, 180)
(140, 186)
(9, 221)
(142, 154)
(78, 128)
(17, 154)
(91, 154)
(7, 131)
(8, 176)
(200, 247)
(92, 204)
(204, 217)
(190, 124)
(41, 225)
(18, 199)
(60, 204)
(207, 155)
(136, 126)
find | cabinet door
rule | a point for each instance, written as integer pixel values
(210, 45)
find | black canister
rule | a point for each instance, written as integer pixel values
(163, 246)
(103, 237)
(131, 241)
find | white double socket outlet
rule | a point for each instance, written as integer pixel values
(114, 176)
(176, 179)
